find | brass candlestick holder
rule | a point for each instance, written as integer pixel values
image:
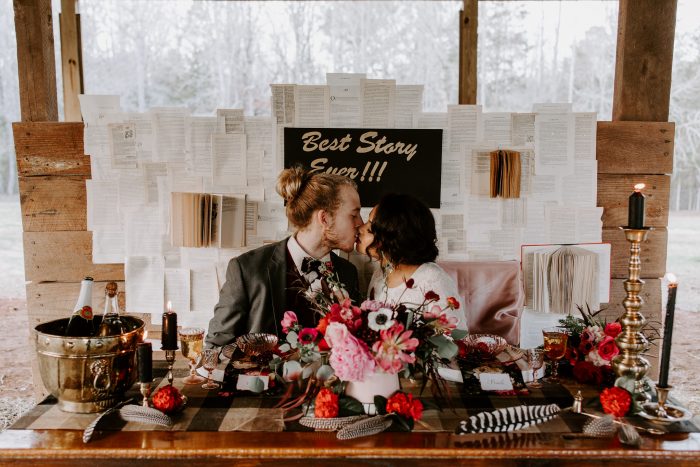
(170, 358)
(631, 341)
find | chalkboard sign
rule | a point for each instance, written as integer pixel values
(378, 160)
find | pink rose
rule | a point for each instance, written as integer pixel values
(289, 320)
(613, 329)
(336, 333)
(607, 349)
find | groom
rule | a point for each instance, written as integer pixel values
(264, 283)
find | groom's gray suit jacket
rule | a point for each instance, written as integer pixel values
(253, 297)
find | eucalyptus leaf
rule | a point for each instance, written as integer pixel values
(459, 334)
(446, 347)
(256, 385)
(324, 372)
(284, 348)
(291, 370)
(293, 339)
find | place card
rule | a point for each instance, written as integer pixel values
(245, 382)
(495, 382)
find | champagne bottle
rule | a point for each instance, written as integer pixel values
(80, 323)
(112, 324)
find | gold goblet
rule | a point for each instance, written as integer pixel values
(555, 340)
(191, 346)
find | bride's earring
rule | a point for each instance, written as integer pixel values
(388, 267)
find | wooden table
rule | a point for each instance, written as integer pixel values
(65, 448)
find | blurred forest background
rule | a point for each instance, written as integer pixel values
(205, 55)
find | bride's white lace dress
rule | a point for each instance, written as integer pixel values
(428, 276)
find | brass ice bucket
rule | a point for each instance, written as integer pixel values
(87, 374)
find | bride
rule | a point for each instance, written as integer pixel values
(400, 234)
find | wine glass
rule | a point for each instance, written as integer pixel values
(535, 360)
(555, 348)
(210, 359)
(191, 345)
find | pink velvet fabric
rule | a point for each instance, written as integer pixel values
(492, 296)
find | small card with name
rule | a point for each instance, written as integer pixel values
(495, 382)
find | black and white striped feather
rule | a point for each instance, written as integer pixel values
(366, 427)
(140, 414)
(508, 419)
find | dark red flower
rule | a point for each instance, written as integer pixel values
(615, 401)
(588, 373)
(308, 335)
(453, 303)
(431, 296)
(409, 283)
(613, 329)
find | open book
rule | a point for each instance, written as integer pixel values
(207, 220)
(560, 278)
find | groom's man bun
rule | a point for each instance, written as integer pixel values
(304, 193)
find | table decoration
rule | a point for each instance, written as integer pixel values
(508, 419)
(168, 399)
(168, 338)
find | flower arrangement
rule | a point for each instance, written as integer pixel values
(591, 347)
(394, 338)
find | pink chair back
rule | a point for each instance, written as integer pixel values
(492, 296)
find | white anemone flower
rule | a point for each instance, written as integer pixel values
(380, 319)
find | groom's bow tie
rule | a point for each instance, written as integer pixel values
(309, 265)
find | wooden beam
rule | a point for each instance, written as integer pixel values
(646, 30)
(635, 147)
(52, 204)
(71, 61)
(50, 149)
(36, 65)
(468, 22)
(614, 191)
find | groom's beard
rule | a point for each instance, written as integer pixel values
(331, 240)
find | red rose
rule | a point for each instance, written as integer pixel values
(453, 303)
(613, 329)
(326, 404)
(323, 345)
(615, 401)
(167, 399)
(607, 349)
(409, 283)
(403, 404)
(587, 373)
(431, 296)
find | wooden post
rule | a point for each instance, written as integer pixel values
(71, 61)
(645, 34)
(35, 60)
(468, 22)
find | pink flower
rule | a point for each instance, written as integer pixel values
(289, 320)
(308, 335)
(350, 357)
(392, 350)
(438, 318)
(613, 329)
(433, 312)
(372, 305)
(607, 349)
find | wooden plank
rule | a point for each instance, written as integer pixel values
(653, 255)
(468, 38)
(36, 65)
(635, 147)
(53, 203)
(614, 192)
(642, 88)
(71, 62)
(64, 256)
(49, 148)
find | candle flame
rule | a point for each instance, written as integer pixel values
(170, 306)
(671, 278)
(639, 187)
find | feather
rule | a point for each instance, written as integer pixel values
(629, 435)
(365, 427)
(139, 414)
(90, 429)
(600, 427)
(508, 419)
(330, 424)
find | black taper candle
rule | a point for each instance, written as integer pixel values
(144, 357)
(169, 333)
(668, 335)
(635, 214)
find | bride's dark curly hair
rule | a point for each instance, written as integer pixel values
(404, 230)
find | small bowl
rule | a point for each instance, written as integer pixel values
(256, 343)
(486, 346)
